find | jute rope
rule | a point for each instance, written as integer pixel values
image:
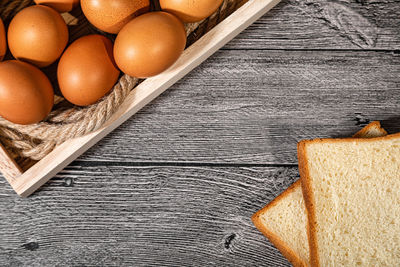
(66, 122)
(37, 140)
(8, 8)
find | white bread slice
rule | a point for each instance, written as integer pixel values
(373, 129)
(284, 221)
(351, 189)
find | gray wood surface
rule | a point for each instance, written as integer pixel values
(254, 106)
(176, 185)
(325, 25)
(124, 215)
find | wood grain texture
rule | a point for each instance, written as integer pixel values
(325, 25)
(141, 95)
(254, 106)
(124, 203)
(136, 216)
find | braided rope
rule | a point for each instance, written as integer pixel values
(8, 8)
(37, 140)
(65, 121)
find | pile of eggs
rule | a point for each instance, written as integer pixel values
(147, 43)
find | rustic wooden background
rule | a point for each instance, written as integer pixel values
(176, 185)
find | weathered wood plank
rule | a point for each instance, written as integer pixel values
(239, 107)
(253, 107)
(135, 216)
(321, 24)
(143, 94)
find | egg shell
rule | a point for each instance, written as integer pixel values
(111, 16)
(26, 94)
(59, 5)
(3, 41)
(87, 70)
(38, 35)
(191, 10)
(149, 44)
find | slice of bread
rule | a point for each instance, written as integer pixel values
(284, 221)
(351, 189)
(373, 129)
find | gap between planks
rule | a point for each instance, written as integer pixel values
(395, 51)
(64, 154)
(180, 164)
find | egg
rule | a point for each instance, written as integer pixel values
(3, 41)
(59, 5)
(111, 16)
(38, 35)
(26, 94)
(87, 70)
(191, 10)
(149, 44)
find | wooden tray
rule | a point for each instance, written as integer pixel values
(25, 183)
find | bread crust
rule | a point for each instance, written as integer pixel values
(364, 131)
(307, 189)
(286, 251)
(309, 202)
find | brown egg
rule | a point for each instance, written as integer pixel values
(3, 41)
(190, 10)
(149, 44)
(111, 16)
(26, 94)
(59, 5)
(37, 34)
(87, 70)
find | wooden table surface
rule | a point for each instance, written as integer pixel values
(177, 184)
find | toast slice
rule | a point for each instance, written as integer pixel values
(284, 221)
(351, 189)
